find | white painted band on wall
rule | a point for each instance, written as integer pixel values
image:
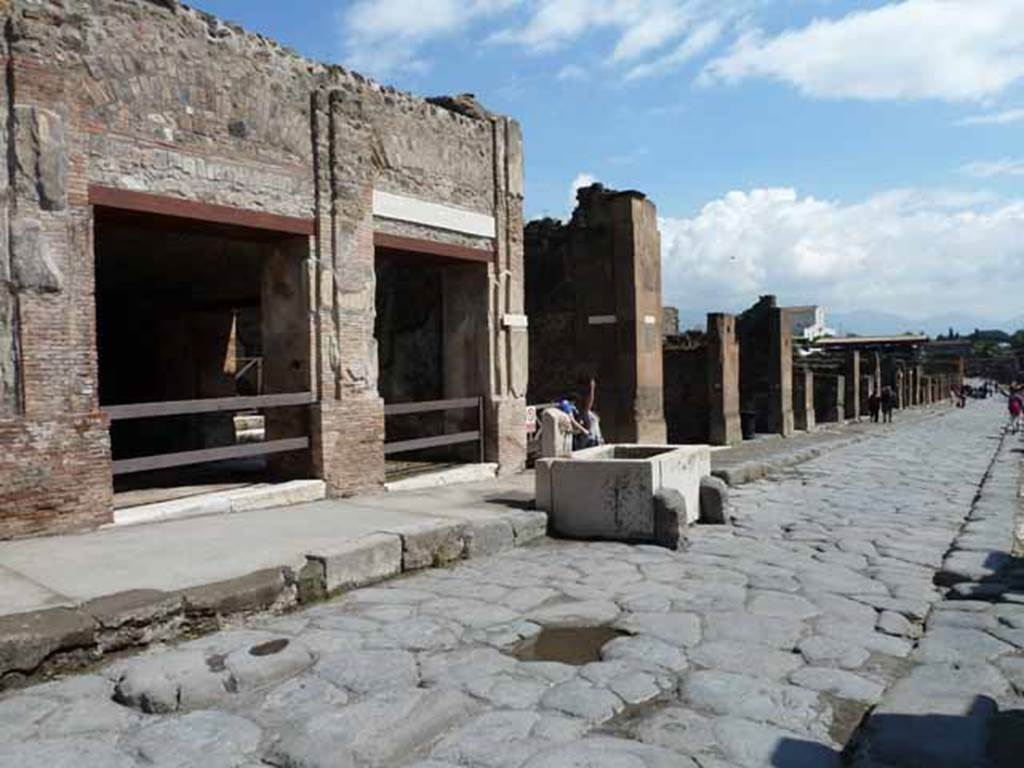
(602, 320)
(650, 320)
(402, 208)
(514, 321)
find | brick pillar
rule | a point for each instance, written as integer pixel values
(723, 356)
(852, 379)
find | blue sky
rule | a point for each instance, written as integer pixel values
(862, 154)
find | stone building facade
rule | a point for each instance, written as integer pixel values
(593, 298)
(143, 115)
(766, 366)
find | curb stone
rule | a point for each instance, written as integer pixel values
(41, 644)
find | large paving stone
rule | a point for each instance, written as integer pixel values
(726, 693)
(607, 752)
(674, 628)
(583, 613)
(21, 714)
(764, 603)
(752, 745)
(583, 700)
(677, 728)
(211, 739)
(377, 732)
(745, 658)
(740, 626)
(369, 671)
(953, 645)
(646, 653)
(197, 678)
(838, 682)
(938, 716)
(505, 739)
(822, 650)
(64, 753)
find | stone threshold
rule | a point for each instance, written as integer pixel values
(42, 644)
(469, 473)
(246, 499)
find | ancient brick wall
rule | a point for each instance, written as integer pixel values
(153, 97)
(594, 307)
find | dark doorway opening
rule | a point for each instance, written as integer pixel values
(431, 331)
(203, 341)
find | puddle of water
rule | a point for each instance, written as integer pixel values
(569, 645)
(268, 648)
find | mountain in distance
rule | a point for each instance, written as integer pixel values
(867, 322)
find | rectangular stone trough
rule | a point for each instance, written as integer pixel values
(609, 492)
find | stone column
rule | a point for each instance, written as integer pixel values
(723, 361)
(781, 382)
(803, 399)
(852, 378)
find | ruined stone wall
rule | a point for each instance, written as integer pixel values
(766, 366)
(687, 399)
(594, 307)
(153, 97)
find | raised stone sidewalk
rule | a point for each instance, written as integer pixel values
(67, 601)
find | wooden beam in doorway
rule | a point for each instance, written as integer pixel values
(162, 205)
(432, 248)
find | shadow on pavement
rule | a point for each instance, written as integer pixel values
(982, 738)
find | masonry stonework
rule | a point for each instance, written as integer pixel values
(152, 97)
(594, 306)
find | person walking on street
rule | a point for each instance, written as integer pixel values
(874, 405)
(1016, 406)
(888, 404)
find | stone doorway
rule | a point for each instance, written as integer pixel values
(432, 337)
(203, 354)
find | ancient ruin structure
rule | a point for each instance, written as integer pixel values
(766, 366)
(593, 298)
(702, 384)
(194, 215)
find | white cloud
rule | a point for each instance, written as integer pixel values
(905, 251)
(571, 72)
(1005, 117)
(384, 36)
(581, 180)
(643, 29)
(987, 169)
(944, 49)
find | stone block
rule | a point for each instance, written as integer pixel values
(608, 492)
(255, 592)
(135, 617)
(669, 517)
(28, 639)
(431, 543)
(488, 536)
(714, 497)
(542, 484)
(32, 262)
(365, 560)
(528, 526)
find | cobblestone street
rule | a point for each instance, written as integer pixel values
(762, 643)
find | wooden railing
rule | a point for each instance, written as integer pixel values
(210, 405)
(435, 441)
